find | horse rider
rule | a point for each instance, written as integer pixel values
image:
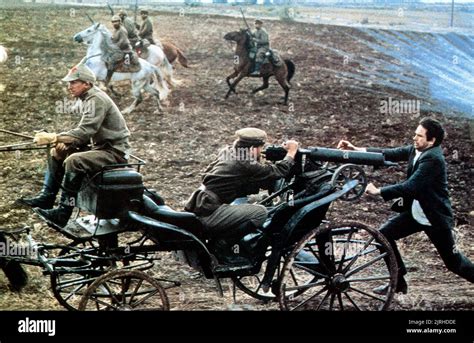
(262, 45)
(146, 29)
(236, 173)
(125, 54)
(102, 126)
(129, 25)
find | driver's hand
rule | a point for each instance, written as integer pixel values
(372, 189)
(43, 138)
(292, 147)
(345, 145)
(61, 147)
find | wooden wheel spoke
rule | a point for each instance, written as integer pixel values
(310, 298)
(365, 265)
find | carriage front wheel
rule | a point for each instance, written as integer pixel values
(343, 264)
(125, 290)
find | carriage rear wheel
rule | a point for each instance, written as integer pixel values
(69, 284)
(89, 261)
(125, 290)
(350, 260)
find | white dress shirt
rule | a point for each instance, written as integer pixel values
(416, 210)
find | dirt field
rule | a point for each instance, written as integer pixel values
(179, 143)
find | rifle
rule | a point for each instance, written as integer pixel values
(89, 17)
(245, 20)
(110, 8)
(136, 10)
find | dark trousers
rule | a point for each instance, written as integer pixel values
(403, 225)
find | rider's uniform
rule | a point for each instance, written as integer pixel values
(146, 30)
(234, 175)
(103, 126)
(120, 38)
(132, 33)
(262, 44)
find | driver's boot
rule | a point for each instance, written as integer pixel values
(60, 216)
(51, 184)
(256, 69)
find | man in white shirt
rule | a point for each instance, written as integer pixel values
(424, 204)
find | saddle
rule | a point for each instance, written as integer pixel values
(129, 64)
(274, 57)
(121, 62)
(141, 47)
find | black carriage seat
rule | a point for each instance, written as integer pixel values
(185, 220)
(112, 193)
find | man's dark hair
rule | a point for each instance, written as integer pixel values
(434, 129)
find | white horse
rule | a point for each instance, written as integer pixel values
(99, 42)
(3, 54)
(157, 57)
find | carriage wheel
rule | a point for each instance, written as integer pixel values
(353, 260)
(252, 284)
(69, 284)
(124, 290)
(346, 173)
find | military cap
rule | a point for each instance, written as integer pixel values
(80, 72)
(251, 136)
(122, 12)
(115, 18)
(144, 12)
(258, 21)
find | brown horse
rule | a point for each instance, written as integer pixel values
(244, 65)
(172, 53)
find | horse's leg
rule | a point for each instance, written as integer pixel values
(262, 87)
(231, 76)
(232, 86)
(281, 78)
(113, 91)
(168, 71)
(156, 94)
(137, 94)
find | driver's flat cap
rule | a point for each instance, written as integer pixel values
(252, 136)
(80, 72)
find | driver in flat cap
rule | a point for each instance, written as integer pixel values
(102, 126)
(237, 172)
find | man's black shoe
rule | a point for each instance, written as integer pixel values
(43, 200)
(58, 216)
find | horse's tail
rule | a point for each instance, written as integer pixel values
(291, 70)
(160, 84)
(182, 59)
(13, 270)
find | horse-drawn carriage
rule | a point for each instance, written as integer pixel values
(296, 258)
